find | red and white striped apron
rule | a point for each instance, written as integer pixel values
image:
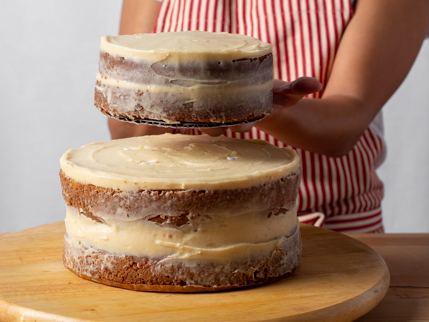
(343, 194)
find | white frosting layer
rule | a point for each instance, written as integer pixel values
(175, 161)
(184, 46)
(219, 239)
(193, 92)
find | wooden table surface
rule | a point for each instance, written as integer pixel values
(407, 256)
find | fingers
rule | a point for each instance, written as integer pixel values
(285, 94)
(213, 131)
(288, 94)
(305, 85)
(301, 86)
(221, 130)
(119, 129)
(242, 127)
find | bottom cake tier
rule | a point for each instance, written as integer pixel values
(163, 275)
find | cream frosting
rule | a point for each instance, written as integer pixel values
(193, 91)
(188, 46)
(221, 238)
(176, 161)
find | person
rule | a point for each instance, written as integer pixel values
(336, 63)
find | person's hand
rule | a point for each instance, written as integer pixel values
(284, 95)
(287, 94)
(120, 129)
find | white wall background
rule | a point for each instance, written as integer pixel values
(48, 60)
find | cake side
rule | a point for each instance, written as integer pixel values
(235, 231)
(179, 205)
(211, 251)
(148, 274)
(211, 105)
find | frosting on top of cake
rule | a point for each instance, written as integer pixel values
(185, 46)
(176, 161)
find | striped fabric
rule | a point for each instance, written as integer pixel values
(343, 193)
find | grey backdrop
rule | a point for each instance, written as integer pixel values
(48, 60)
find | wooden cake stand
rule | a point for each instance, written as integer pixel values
(340, 279)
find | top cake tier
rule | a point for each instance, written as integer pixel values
(185, 77)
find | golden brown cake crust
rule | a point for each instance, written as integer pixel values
(151, 274)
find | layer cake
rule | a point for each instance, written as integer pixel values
(181, 213)
(185, 77)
